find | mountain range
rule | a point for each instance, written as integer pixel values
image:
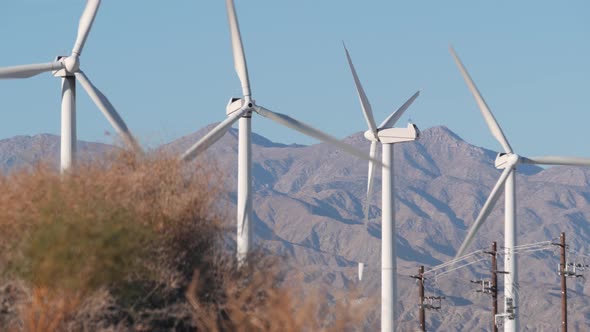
(308, 207)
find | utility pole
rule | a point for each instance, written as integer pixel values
(422, 314)
(431, 300)
(566, 270)
(491, 286)
(494, 287)
(562, 271)
(563, 285)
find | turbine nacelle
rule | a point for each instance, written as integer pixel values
(394, 135)
(235, 104)
(506, 160)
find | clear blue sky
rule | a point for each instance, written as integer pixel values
(167, 66)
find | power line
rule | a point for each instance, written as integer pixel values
(531, 250)
(534, 244)
(459, 267)
(453, 261)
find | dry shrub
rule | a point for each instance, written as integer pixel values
(139, 244)
(261, 297)
(121, 223)
(153, 199)
(46, 311)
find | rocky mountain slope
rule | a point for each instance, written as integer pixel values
(308, 206)
(22, 151)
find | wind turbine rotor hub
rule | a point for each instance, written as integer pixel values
(69, 66)
(235, 104)
(72, 64)
(370, 136)
(506, 160)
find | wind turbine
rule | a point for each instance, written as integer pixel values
(68, 68)
(241, 109)
(387, 136)
(508, 161)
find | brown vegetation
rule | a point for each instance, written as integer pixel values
(129, 244)
(258, 298)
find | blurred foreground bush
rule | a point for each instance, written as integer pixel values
(139, 245)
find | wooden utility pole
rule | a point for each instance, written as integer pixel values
(422, 314)
(562, 268)
(563, 272)
(491, 286)
(494, 288)
(433, 302)
(566, 270)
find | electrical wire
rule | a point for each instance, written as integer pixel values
(453, 261)
(534, 244)
(529, 251)
(460, 267)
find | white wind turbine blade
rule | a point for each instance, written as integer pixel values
(85, 25)
(108, 110)
(485, 110)
(370, 178)
(238, 48)
(247, 207)
(26, 71)
(212, 136)
(361, 268)
(557, 160)
(366, 106)
(394, 117)
(485, 211)
(312, 132)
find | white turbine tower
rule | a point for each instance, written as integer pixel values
(241, 109)
(387, 136)
(508, 160)
(68, 68)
